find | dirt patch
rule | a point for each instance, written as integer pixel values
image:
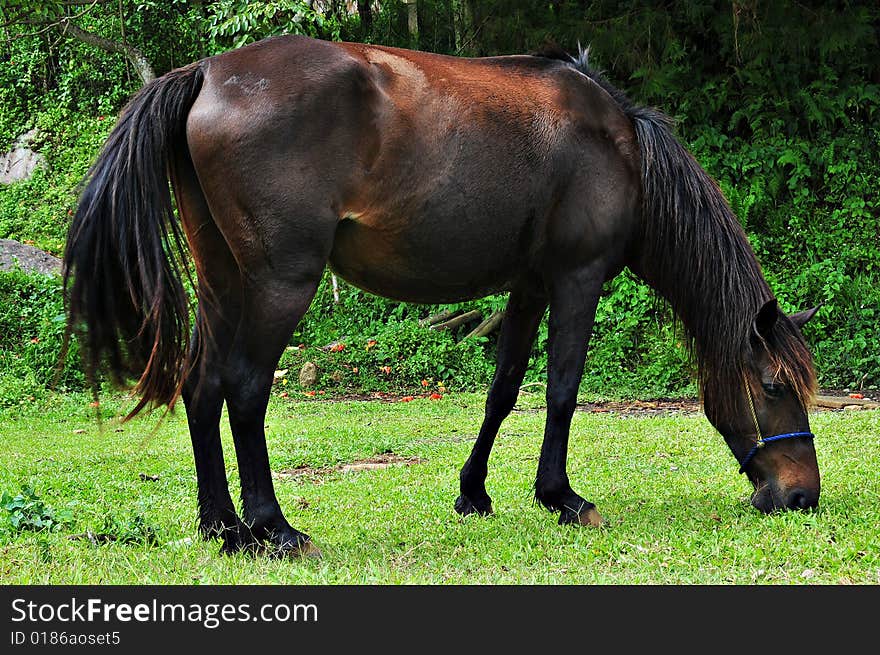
(847, 401)
(644, 407)
(827, 400)
(382, 461)
(631, 407)
(373, 396)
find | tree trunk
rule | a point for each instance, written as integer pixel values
(135, 56)
(463, 26)
(412, 21)
(366, 14)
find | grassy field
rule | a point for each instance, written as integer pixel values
(676, 510)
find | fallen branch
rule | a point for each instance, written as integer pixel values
(458, 320)
(488, 326)
(445, 315)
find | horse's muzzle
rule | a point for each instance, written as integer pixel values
(769, 499)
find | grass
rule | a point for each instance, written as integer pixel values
(676, 510)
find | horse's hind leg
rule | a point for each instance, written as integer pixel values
(522, 316)
(203, 398)
(202, 391)
(573, 300)
(280, 260)
(272, 308)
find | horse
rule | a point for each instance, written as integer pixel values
(428, 179)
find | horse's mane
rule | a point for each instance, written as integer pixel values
(697, 256)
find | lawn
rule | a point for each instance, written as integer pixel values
(374, 484)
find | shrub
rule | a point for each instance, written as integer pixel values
(32, 326)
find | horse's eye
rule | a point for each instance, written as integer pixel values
(772, 389)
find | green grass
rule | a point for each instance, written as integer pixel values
(676, 510)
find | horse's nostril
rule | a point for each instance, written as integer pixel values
(802, 499)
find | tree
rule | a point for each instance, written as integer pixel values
(63, 16)
(365, 12)
(463, 24)
(412, 21)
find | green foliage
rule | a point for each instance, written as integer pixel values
(132, 529)
(28, 512)
(778, 101)
(234, 23)
(634, 351)
(38, 210)
(32, 325)
(381, 347)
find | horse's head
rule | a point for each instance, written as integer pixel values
(765, 421)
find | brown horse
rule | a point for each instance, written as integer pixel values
(422, 178)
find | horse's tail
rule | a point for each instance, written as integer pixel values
(124, 264)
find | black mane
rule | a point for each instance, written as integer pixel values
(697, 256)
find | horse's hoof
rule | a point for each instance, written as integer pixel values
(300, 546)
(587, 516)
(465, 506)
(591, 518)
(309, 549)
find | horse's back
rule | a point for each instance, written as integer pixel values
(444, 176)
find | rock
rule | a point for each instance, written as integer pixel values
(308, 375)
(28, 258)
(20, 162)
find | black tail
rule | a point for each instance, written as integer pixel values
(124, 266)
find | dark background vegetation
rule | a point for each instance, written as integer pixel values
(779, 101)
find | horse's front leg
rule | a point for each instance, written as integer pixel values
(523, 314)
(574, 296)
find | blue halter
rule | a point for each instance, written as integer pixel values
(763, 441)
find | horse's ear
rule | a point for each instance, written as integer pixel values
(801, 318)
(766, 318)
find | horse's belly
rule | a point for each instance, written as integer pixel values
(422, 267)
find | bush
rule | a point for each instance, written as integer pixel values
(778, 101)
(381, 347)
(367, 343)
(32, 325)
(26, 511)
